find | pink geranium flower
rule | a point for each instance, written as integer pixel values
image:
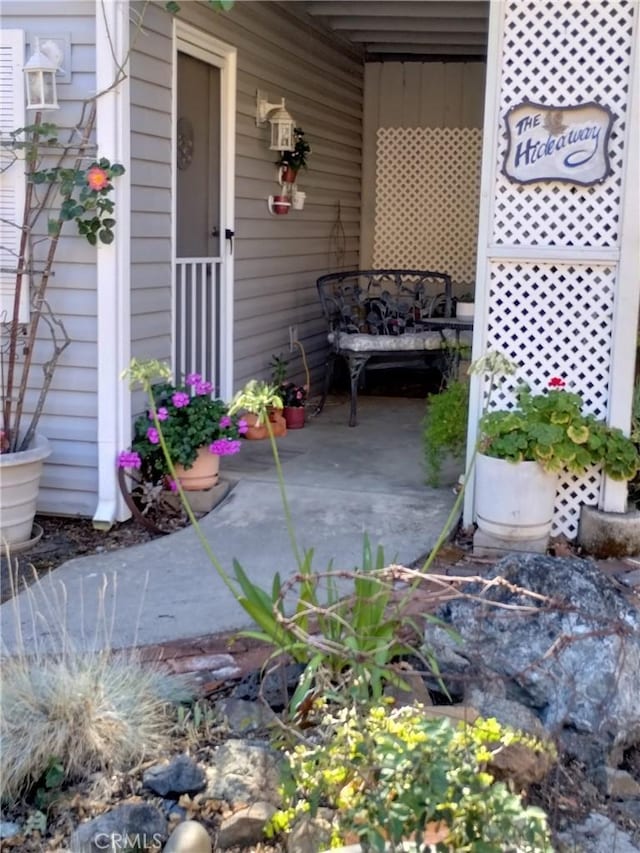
(180, 399)
(129, 459)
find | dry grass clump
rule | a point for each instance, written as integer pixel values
(82, 706)
(88, 712)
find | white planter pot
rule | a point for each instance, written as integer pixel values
(514, 501)
(465, 310)
(19, 486)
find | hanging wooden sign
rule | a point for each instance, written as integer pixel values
(568, 143)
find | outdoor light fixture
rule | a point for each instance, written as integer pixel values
(280, 120)
(40, 75)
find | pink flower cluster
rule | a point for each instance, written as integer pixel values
(129, 459)
(224, 447)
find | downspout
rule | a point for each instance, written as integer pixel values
(113, 262)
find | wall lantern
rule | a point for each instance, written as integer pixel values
(280, 120)
(40, 75)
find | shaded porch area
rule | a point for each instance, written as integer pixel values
(341, 484)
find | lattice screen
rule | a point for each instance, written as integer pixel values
(427, 196)
(556, 319)
(565, 53)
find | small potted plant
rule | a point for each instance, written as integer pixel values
(465, 306)
(291, 162)
(293, 396)
(521, 452)
(293, 399)
(197, 430)
(259, 401)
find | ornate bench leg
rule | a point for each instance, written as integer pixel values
(356, 365)
(326, 385)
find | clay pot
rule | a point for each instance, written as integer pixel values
(289, 175)
(278, 422)
(203, 474)
(254, 432)
(280, 205)
(294, 416)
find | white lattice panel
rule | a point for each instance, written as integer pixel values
(564, 52)
(556, 321)
(427, 196)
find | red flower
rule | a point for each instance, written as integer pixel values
(97, 178)
(557, 382)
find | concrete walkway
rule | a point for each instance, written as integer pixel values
(341, 483)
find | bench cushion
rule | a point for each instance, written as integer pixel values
(408, 342)
(386, 343)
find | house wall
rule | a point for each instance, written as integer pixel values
(277, 258)
(430, 95)
(69, 480)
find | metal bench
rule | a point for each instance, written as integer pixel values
(378, 319)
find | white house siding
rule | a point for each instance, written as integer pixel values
(150, 80)
(69, 421)
(277, 259)
(414, 95)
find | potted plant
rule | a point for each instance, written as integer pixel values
(197, 430)
(293, 396)
(465, 306)
(291, 162)
(521, 452)
(64, 183)
(257, 401)
(293, 399)
(444, 428)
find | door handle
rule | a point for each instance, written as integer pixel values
(229, 235)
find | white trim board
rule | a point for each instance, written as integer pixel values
(113, 263)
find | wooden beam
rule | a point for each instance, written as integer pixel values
(400, 8)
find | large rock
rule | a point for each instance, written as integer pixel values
(244, 772)
(245, 827)
(568, 649)
(189, 837)
(596, 834)
(120, 829)
(181, 775)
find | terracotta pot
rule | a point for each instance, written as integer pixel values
(280, 205)
(289, 175)
(294, 416)
(254, 432)
(278, 422)
(203, 474)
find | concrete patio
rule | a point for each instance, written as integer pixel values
(341, 483)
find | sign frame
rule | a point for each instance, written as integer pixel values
(553, 126)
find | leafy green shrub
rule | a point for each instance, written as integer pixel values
(444, 428)
(393, 774)
(550, 428)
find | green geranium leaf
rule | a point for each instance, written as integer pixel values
(106, 236)
(578, 433)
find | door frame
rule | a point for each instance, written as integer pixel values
(194, 42)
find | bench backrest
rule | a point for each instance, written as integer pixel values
(383, 302)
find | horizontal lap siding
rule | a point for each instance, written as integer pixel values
(278, 259)
(151, 74)
(69, 419)
(414, 94)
